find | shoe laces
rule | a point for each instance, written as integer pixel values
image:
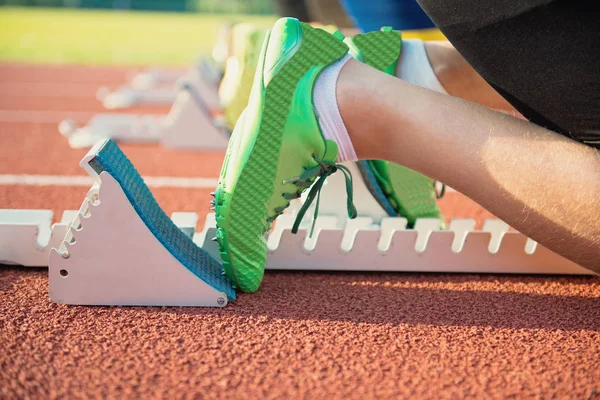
(321, 172)
(442, 191)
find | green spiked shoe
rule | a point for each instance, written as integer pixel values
(236, 85)
(399, 190)
(277, 149)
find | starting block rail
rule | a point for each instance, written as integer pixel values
(388, 246)
(358, 245)
(126, 97)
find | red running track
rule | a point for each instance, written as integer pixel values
(303, 335)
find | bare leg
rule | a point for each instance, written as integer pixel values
(460, 79)
(541, 183)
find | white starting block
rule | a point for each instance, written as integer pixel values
(189, 125)
(147, 90)
(126, 97)
(157, 77)
(122, 249)
(360, 245)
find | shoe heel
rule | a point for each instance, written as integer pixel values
(380, 49)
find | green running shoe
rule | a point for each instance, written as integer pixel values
(399, 190)
(277, 149)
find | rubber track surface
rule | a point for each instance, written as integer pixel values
(302, 335)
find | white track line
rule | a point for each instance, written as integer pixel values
(42, 116)
(81, 180)
(65, 180)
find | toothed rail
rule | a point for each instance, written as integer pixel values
(362, 245)
(122, 249)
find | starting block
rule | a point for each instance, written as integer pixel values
(336, 245)
(189, 125)
(122, 249)
(156, 77)
(147, 90)
(126, 97)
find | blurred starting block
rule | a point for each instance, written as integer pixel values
(120, 248)
(160, 87)
(159, 77)
(189, 125)
(152, 78)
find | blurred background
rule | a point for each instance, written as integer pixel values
(119, 32)
(204, 6)
(170, 32)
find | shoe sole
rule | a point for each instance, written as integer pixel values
(415, 194)
(242, 214)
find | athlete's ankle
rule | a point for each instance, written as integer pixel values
(356, 101)
(328, 113)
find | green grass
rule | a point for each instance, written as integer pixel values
(108, 37)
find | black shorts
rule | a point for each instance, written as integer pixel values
(543, 56)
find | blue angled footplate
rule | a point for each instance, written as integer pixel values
(111, 159)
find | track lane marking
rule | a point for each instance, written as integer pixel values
(82, 180)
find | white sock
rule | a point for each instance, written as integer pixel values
(414, 66)
(328, 113)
